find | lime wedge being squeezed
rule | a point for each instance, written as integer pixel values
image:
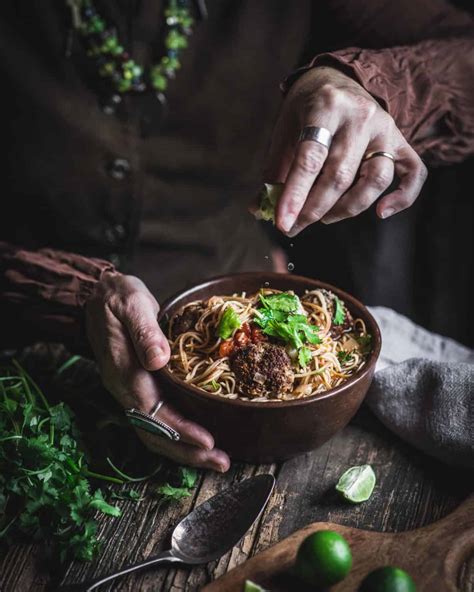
(357, 484)
(252, 587)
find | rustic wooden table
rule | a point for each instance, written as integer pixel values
(412, 490)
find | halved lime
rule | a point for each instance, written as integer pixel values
(324, 558)
(252, 587)
(388, 579)
(357, 484)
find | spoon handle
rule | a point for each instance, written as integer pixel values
(164, 557)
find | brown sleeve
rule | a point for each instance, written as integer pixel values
(42, 294)
(428, 88)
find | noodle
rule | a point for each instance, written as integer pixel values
(195, 356)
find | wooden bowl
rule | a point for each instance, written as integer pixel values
(270, 431)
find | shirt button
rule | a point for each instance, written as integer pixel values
(114, 234)
(119, 169)
(119, 231)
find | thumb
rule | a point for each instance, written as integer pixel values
(151, 345)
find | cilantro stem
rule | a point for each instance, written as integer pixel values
(132, 479)
(88, 473)
(28, 379)
(67, 364)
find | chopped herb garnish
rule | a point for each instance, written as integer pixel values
(228, 324)
(278, 318)
(365, 342)
(304, 356)
(339, 312)
(344, 357)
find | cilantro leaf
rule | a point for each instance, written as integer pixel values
(228, 324)
(283, 302)
(280, 317)
(169, 492)
(344, 356)
(339, 313)
(304, 356)
(188, 476)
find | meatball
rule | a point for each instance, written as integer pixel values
(347, 325)
(186, 320)
(262, 369)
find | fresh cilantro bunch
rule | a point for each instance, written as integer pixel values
(44, 490)
(280, 317)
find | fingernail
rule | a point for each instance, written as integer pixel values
(294, 230)
(287, 223)
(387, 213)
(152, 353)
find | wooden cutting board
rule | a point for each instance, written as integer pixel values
(432, 555)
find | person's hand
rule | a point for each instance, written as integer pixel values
(330, 185)
(122, 327)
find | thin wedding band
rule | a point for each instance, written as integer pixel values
(376, 153)
(321, 135)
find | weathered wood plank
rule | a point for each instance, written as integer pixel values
(412, 491)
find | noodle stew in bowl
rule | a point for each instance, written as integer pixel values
(274, 418)
(267, 346)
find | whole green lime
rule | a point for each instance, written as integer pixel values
(324, 558)
(388, 579)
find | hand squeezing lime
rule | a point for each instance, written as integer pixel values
(357, 484)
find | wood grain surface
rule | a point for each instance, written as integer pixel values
(432, 554)
(412, 491)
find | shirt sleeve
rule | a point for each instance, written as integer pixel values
(428, 88)
(42, 294)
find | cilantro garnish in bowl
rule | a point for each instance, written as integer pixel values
(280, 316)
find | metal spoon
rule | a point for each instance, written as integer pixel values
(208, 532)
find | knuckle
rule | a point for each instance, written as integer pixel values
(422, 172)
(309, 217)
(366, 108)
(342, 178)
(404, 201)
(331, 95)
(311, 160)
(143, 334)
(353, 209)
(380, 180)
(134, 301)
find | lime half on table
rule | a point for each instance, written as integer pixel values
(357, 484)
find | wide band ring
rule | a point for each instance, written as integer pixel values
(149, 423)
(321, 135)
(376, 153)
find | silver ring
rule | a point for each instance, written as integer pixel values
(321, 135)
(370, 155)
(148, 423)
(156, 408)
